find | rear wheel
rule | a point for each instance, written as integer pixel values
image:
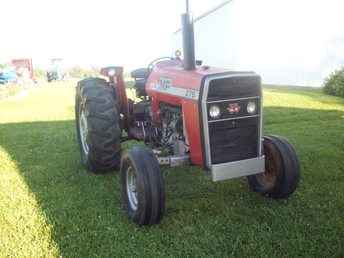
(143, 190)
(97, 125)
(282, 169)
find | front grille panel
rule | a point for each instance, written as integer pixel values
(234, 87)
(235, 134)
(233, 140)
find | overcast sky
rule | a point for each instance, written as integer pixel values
(92, 32)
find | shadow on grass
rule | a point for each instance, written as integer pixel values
(202, 218)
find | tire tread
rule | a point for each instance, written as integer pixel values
(103, 120)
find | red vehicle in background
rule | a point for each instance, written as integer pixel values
(24, 68)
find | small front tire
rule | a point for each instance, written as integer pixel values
(282, 169)
(143, 190)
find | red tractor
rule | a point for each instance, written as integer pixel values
(187, 114)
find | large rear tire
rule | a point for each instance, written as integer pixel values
(282, 169)
(97, 125)
(143, 190)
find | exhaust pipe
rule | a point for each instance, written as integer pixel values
(188, 40)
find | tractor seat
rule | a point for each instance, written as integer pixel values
(140, 86)
(140, 76)
(141, 73)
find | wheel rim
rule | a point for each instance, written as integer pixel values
(269, 177)
(132, 188)
(83, 131)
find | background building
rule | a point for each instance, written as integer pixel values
(275, 38)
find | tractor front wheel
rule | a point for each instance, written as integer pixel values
(143, 190)
(282, 169)
(97, 125)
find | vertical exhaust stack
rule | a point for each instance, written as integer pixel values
(188, 40)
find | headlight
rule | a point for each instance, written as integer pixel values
(214, 111)
(111, 72)
(251, 107)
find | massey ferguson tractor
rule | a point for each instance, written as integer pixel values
(187, 113)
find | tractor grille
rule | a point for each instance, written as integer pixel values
(233, 140)
(235, 134)
(234, 87)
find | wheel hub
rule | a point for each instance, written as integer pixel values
(83, 131)
(269, 177)
(132, 188)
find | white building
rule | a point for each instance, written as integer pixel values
(288, 42)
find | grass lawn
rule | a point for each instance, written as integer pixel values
(9, 90)
(50, 206)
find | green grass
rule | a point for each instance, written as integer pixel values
(50, 206)
(9, 90)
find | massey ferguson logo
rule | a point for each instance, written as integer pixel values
(233, 108)
(165, 83)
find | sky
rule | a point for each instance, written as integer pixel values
(129, 33)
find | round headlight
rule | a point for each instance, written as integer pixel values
(251, 107)
(111, 72)
(214, 111)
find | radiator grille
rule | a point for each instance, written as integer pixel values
(234, 87)
(233, 140)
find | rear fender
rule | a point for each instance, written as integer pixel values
(115, 75)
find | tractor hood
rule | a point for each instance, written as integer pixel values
(170, 77)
